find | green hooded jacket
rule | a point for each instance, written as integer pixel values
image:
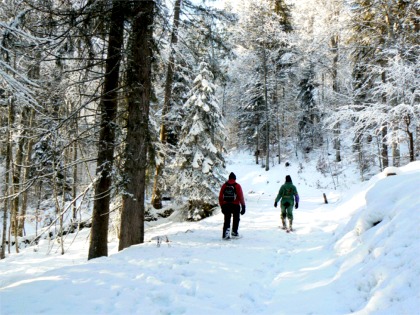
(287, 192)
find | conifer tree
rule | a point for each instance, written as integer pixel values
(108, 105)
(139, 90)
(200, 159)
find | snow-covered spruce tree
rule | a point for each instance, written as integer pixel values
(197, 31)
(200, 159)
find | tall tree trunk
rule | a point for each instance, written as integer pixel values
(17, 170)
(337, 142)
(139, 92)
(25, 175)
(29, 114)
(13, 204)
(277, 107)
(396, 153)
(257, 147)
(59, 206)
(109, 104)
(359, 148)
(157, 194)
(7, 179)
(384, 150)
(407, 120)
(416, 146)
(278, 134)
(75, 171)
(267, 115)
(384, 130)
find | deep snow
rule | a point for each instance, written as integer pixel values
(358, 254)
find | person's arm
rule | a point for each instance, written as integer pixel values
(278, 196)
(241, 198)
(296, 198)
(221, 194)
(240, 194)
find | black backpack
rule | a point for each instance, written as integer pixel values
(229, 194)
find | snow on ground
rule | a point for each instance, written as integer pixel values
(358, 254)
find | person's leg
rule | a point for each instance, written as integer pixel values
(283, 216)
(236, 218)
(226, 224)
(290, 215)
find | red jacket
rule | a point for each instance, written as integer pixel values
(239, 194)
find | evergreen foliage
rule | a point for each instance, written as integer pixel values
(199, 160)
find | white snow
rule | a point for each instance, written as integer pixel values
(358, 254)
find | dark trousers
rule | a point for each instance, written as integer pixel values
(231, 210)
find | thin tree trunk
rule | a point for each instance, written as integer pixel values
(407, 120)
(75, 179)
(58, 207)
(384, 131)
(157, 194)
(267, 122)
(337, 142)
(109, 104)
(17, 171)
(14, 210)
(378, 145)
(30, 142)
(396, 154)
(7, 179)
(384, 150)
(257, 150)
(357, 146)
(34, 74)
(277, 106)
(38, 193)
(139, 92)
(416, 147)
(278, 135)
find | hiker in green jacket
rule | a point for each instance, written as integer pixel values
(289, 198)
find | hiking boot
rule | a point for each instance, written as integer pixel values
(235, 234)
(283, 222)
(290, 225)
(227, 234)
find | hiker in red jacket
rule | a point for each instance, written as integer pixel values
(231, 200)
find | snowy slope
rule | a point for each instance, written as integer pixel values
(357, 254)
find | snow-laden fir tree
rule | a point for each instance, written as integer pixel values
(199, 160)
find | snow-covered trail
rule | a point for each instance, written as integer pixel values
(292, 268)
(266, 272)
(356, 255)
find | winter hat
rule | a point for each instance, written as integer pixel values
(288, 179)
(232, 176)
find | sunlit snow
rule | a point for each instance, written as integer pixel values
(358, 254)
